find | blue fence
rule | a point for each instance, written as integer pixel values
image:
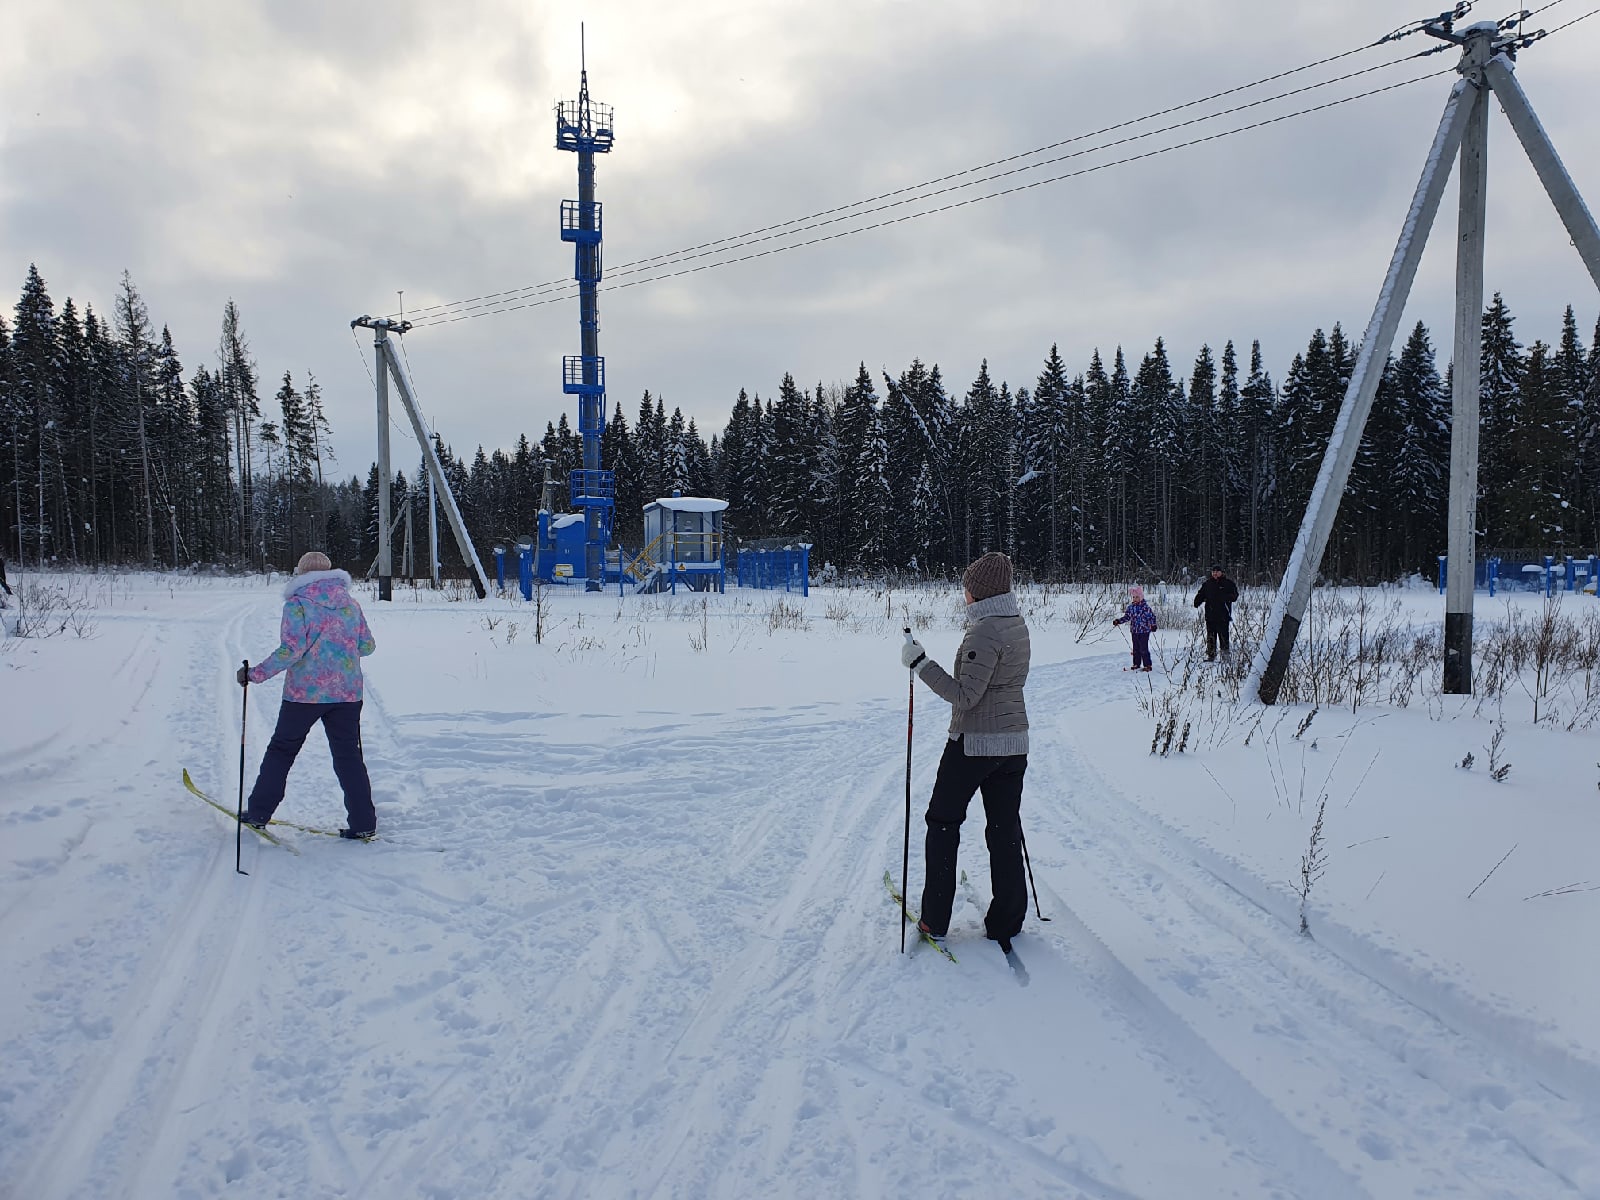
(774, 570)
(1546, 575)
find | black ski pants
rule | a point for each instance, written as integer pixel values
(1216, 631)
(342, 723)
(1000, 781)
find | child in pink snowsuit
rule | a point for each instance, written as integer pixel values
(1141, 619)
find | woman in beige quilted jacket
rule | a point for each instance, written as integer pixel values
(987, 750)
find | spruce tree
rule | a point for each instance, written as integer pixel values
(1575, 429)
(1048, 448)
(10, 451)
(35, 405)
(237, 373)
(1422, 470)
(1536, 505)
(1260, 456)
(71, 433)
(1206, 477)
(873, 500)
(1230, 444)
(1126, 453)
(1500, 412)
(788, 460)
(1101, 468)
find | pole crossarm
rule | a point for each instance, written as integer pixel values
(1294, 594)
(383, 323)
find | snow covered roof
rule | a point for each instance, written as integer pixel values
(566, 519)
(689, 503)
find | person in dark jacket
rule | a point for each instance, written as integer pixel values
(1217, 594)
(987, 751)
(3, 583)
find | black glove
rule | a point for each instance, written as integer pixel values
(242, 675)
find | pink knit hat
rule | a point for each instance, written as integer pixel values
(1136, 593)
(313, 560)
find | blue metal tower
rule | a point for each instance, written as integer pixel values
(584, 127)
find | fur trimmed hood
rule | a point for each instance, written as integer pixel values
(303, 583)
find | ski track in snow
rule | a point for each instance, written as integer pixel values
(643, 954)
(1433, 1100)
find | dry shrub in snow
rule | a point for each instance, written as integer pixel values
(783, 615)
(43, 610)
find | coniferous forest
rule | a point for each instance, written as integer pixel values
(114, 452)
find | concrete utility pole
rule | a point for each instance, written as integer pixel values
(1461, 543)
(380, 344)
(389, 365)
(409, 567)
(433, 531)
(1486, 64)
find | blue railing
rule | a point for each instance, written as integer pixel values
(775, 570)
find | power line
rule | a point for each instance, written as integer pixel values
(515, 300)
(436, 310)
(362, 355)
(366, 366)
(1021, 187)
(822, 221)
(1592, 12)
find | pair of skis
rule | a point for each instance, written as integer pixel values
(916, 923)
(971, 893)
(264, 834)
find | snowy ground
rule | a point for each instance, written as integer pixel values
(629, 937)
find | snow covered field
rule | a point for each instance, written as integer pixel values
(628, 935)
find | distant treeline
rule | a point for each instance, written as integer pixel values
(111, 454)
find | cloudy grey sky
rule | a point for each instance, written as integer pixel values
(310, 158)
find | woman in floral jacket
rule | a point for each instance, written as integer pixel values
(324, 638)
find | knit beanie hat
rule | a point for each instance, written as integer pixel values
(312, 560)
(989, 576)
(1136, 593)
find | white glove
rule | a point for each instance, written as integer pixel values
(912, 655)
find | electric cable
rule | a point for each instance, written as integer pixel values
(1021, 187)
(822, 221)
(1592, 12)
(362, 355)
(515, 300)
(434, 310)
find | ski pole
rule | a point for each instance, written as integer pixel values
(1027, 862)
(905, 854)
(238, 831)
